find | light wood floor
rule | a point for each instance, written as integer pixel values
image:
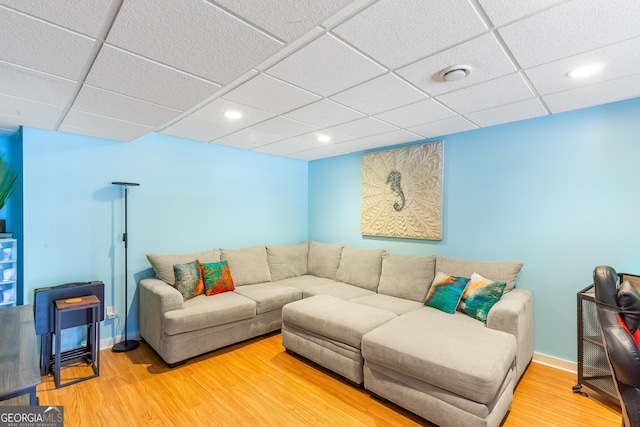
(256, 383)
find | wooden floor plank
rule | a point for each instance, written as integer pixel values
(256, 383)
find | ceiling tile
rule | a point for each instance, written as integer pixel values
(363, 127)
(326, 66)
(30, 84)
(503, 11)
(312, 137)
(291, 145)
(443, 127)
(182, 30)
(354, 145)
(380, 94)
(98, 133)
(595, 94)
(128, 74)
(397, 32)
(247, 138)
(119, 129)
(270, 149)
(504, 90)
(86, 17)
(324, 113)
(284, 127)
(619, 60)
(508, 113)
(286, 19)
(416, 114)
(571, 28)
(199, 129)
(44, 47)
(484, 54)
(317, 153)
(270, 94)
(215, 110)
(102, 102)
(35, 112)
(12, 123)
(392, 138)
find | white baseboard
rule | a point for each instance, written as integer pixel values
(554, 362)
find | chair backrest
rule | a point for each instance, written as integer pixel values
(622, 351)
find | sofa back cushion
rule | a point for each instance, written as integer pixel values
(497, 271)
(407, 276)
(360, 267)
(324, 259)
(287, 261)
(163, 263)
(247, 265)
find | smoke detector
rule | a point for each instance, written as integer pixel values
(455, 73)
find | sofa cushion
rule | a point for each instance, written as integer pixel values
(269, 296)
(163, 264)
(479, 296)
(204, 312)
(331, 317)
(217, 277)
(188, 280)
(287, 261)
(456, 353)
(386, 302)
(445, 292)
(499, 271)
(360, 267)
(407, 276)
(305, 282)
(324, 259)
(247, 265)
(340, 290)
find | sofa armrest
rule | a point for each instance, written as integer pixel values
(514, 314)
(156, 298)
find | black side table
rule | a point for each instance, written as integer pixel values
(91, 353)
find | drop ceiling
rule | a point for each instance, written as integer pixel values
(364, 73)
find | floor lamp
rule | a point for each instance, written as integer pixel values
(127, 344)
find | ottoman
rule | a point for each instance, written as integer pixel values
(448, 368)
(328, 331)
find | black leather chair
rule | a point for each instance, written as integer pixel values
(622, 351)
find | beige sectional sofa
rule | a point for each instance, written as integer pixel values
(360, 313)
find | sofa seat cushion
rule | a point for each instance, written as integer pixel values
(269, 296)
(453, 352)
(396, 305)
(304, 282)
(337, 289)
(334, 318)
(204, 312)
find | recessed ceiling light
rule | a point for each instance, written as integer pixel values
(455, 72)
(233, 115)
(323, 138)
(586, 71)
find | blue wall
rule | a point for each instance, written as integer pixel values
(192, 196)
(559, 193)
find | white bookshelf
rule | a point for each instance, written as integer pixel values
(8, 272)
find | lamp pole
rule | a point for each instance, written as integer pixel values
(127, 344)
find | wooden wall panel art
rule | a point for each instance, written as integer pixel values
(402, 192)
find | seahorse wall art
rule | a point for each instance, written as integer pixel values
(394, 178)
(402, 192)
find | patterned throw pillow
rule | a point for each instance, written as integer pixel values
(188, 279)
(445, 292)
(479, 296)
(217, 277)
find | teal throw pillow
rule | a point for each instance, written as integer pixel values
(480, 295)
(445, 292)
(188, 279)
